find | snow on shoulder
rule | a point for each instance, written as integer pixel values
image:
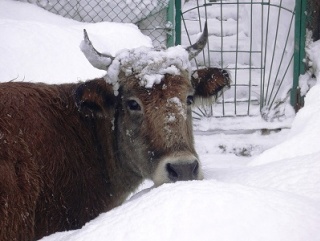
(148, 64)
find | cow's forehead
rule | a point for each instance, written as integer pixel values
(170, 85)
(149, 66)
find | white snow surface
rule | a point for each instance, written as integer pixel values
(35, 36)
(313, 51)
(248, 193)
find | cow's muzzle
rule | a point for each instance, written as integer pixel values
(177, 168)
(183, 171)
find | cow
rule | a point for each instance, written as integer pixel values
(69, 152)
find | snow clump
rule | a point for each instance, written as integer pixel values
(148, 65)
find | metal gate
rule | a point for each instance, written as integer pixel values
(260, 42)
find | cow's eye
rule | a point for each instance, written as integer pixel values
(133, 105)
(190, 100)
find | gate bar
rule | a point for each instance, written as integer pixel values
(299, 50)
(177, 24)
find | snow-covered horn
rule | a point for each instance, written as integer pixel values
(197, 47)
(97, 59)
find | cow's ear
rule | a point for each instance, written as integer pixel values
(210, 83)
(94, 97)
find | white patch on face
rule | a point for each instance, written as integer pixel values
(171, 117)
(175, 101)
(112, 124)
(128, 133)
(164, 87)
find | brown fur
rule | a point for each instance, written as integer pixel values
(70, 152)
(53, 175)
(210, 81)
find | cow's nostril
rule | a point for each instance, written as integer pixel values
(172, 172)
(195, 168)
(183, 171)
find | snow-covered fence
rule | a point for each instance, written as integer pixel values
(150, 15)
(255, 41)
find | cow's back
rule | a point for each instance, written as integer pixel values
(47, 160)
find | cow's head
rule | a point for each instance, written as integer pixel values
(151, 93)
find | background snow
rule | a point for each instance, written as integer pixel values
(313, 52)
(129, 11)
(270, 196)
(53, 44)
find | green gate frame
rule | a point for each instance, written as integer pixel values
(299, 52)
(174, 18)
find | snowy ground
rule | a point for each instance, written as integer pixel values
(257, 186)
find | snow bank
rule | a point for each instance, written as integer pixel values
(297, 175)
(305, 133)
(45, 47)
(207, 210)
(15, 10)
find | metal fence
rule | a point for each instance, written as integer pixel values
(255, 41)
(153, 17)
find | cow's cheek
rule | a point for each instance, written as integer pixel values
(134, 145)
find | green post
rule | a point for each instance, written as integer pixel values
(171, 23)
(299, 49)
(178, 22)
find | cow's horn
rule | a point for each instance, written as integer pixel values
(97, 59)
(197, 47)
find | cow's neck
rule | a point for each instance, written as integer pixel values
(119, 178)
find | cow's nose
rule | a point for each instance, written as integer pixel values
(183, 171)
